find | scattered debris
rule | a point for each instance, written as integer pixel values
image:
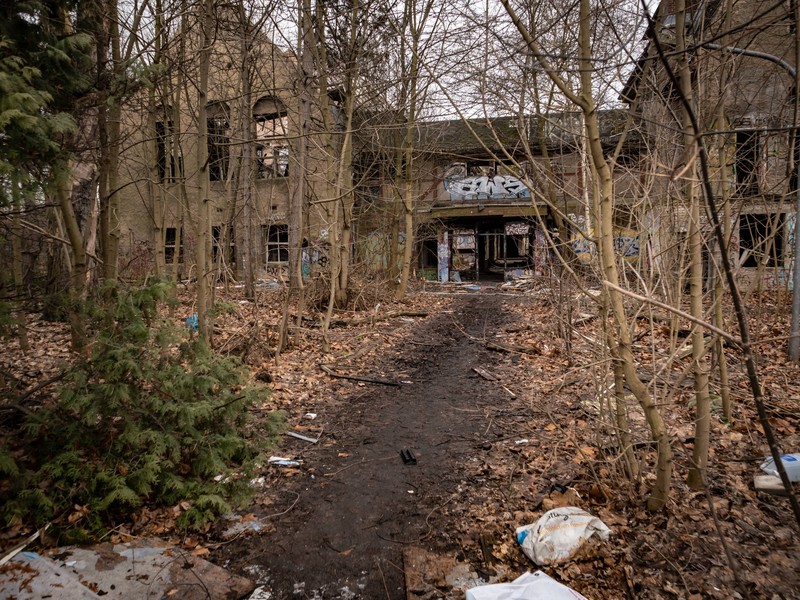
(29, 576)
(146, 568)
(769, 484)
(559, 534)
(192, 323)
(281, 461)
(485, 374)
(791, 464)
(427, 574)
(32, 538)
(509, 392)
(408, 457)
(503, 347)
(300, 436)
(530, 586)
(329, 370)
(310, 416)
(241, 525)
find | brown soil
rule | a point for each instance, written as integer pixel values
(494, 455)
(356, 505)
(491, 455)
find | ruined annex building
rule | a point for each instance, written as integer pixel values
(742, 89)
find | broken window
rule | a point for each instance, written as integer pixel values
(747, 158)
(170, 243)
(170, 162)
(272, 145)
(218, 242)
(275, 240)
(218, 141)
(762, 239)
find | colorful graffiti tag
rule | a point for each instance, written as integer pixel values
(484, 187)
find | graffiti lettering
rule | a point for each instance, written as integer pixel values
(478, 188)
(277, 271)
(626, 244)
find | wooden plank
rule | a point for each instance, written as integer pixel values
(503, 347)
(485, 374)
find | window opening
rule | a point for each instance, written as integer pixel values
(747, 158)
(166, 144)
(272, 145)
(429, 253)
(216, 235)
(762, 239)
(275, 240)
(170, 240)
(218, 141)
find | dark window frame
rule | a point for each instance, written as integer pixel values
(762, 235)
(275, 244)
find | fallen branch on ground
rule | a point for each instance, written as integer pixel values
(503, 347)
(329, 370)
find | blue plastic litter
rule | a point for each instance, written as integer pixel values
(192, 322)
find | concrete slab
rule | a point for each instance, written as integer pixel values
(430, 575)
(31, 576)
(144, 569)
(769, 484)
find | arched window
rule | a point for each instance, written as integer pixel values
(272, 145)
(218, 123)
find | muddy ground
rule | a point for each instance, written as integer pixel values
(493, 451)
(354, 521)
(355, 505)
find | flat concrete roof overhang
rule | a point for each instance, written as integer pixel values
(478, 209)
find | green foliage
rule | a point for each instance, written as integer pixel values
(222, 308)
(55, 307)
(153, 417)
(45, 69)
(6, 319)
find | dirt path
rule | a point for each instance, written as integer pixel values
(357, 505)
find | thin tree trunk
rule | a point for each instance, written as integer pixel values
(19, 285)
(111, 221)
(79, 265)
(603, 201)
(203, 247)
(719, 282)
(702, 429)
(246, 255)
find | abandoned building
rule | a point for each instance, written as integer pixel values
(743, 75)
(488, 193)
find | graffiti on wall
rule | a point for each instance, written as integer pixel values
(626, 243)
(443, 253)
(485, 186)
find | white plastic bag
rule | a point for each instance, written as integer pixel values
(558, 534)
(791, 464)
(530, 586)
